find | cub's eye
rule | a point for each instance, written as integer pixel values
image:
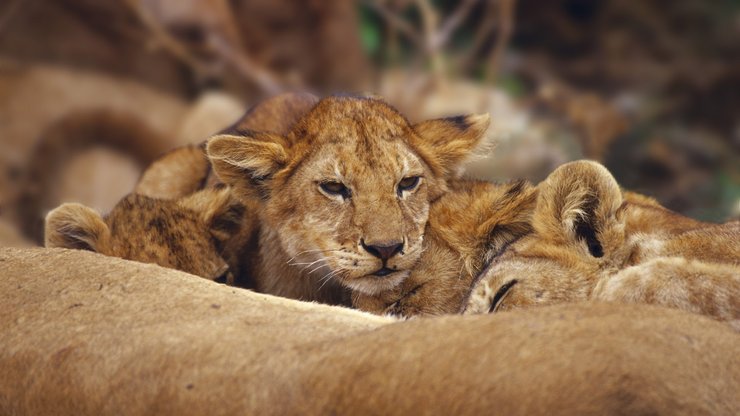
(408, 184)
(335, 188)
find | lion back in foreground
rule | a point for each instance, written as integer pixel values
(80, 330)
(593, 241)
(345, 194)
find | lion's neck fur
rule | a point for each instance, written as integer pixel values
(274, 275)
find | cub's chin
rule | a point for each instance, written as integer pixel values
(373, 284)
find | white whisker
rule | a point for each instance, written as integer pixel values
(305, 265)
(317, 268)
(328, 277)
(301, 264)
(313, 251)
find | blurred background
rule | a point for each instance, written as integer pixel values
(92, 91)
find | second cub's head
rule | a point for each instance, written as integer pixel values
(188, 234)
(347, 191)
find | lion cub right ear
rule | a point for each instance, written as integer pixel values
(452, 140)
(247, 162)
(76, 226)
(578, 203)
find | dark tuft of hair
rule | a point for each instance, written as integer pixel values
(461, 122)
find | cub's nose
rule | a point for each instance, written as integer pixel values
(383, 250)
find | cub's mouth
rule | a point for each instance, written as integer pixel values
(383, 271)
(382, 279)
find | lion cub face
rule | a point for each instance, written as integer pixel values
(347, 191)
(187, 235)
(362, 208)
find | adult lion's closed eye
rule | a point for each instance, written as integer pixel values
(346, 193)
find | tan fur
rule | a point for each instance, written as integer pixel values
(87, 334)
(192, 234)
(312, 242)
(275, 115)
(592, 241)
(471, 222)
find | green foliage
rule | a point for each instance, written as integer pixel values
(369, 32)
(512, 85)
(729, 195)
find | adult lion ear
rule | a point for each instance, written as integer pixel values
(247, 162)
(218, 209)
(76, 226)
(448, 142)
(578, 205)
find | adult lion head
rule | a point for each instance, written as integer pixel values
(593, 241)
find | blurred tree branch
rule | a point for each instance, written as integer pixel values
(162, 37)
(393, 20)
(452, 23)
(432, 39)
(506, 9)
(227, 50)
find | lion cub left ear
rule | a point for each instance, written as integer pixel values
(76, 226)
(218, 209)
(247, 162)
(450, 141)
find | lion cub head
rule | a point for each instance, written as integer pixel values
(347, 191)
(186, 234)
(592, 241)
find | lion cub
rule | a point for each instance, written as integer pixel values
(180, 216)
(345, 194)
(194, 234)
(591, 241)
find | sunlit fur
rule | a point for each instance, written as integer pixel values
(311, 240)
(592, 241)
